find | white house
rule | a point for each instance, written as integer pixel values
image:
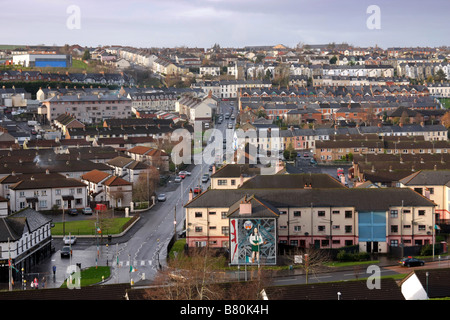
(25, 237)
(44, 194)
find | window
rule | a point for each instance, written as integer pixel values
(79, 190)
(422, 227)
(297, 213)
(407, 226)
(212, 213)
(233, 182)
(283, 212)
(297, 228)
(198, 229)
(394, 213)
(43, 203)
(225, 230)
(336, 227)
(321, 228)
(394, 243)
(222, 182)
(348, 229)
(224, 214)
(21, 194)
(321, 213)
(348, 214)
(336, 211)
(198, 214)
(394, 229)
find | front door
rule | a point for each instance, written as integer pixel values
(369, 247)
(375, 247)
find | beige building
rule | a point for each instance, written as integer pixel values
(86, 108)
(434, 185)
(317, 217)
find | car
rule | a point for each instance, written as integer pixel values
(178, 179)
(305, 155)
(186, 173)
(198, 189)
(411, 262)
(87, 210)
(70, 239)
(73, 212)
(66, 251)
(162, 197)
(182, 175)
(205, 178)
(230, 125)
(182, 234)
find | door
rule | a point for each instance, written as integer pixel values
(375, 247)
(369, 247)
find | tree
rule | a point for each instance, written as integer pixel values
(333, 60)
(198, 275)
(86, 55)
(440, 75)
(146, 184)
(445, 120)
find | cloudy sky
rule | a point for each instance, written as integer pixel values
(230, 23)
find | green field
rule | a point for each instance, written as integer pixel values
(445, 102)
(88, 227)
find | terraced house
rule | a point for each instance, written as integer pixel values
(313, 211)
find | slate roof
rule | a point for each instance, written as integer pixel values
(428, 177)
(361, 199)
(350, 290)
(288, 181)
(104, 292)
(438, 281)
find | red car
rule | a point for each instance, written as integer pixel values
(182, 175)
(197, 189)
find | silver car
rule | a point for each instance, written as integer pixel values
(70, 239)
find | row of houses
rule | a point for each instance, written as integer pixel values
(304, 210)
(268, 136)
(102, 78)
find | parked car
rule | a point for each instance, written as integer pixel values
(411, 262)
(182, 175)
(73, 212)
(230, 125)
(66, 251)
(205, 178)
(178, 179)
(70, 239)
(186, 173)
(162, 197)
(87, 210)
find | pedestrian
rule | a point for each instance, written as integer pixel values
(54, 270)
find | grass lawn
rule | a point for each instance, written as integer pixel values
(87, 227)
(92, 275)
(445, 102)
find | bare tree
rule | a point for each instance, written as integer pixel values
(199, 276)
(146, 184)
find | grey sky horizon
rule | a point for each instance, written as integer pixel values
(230, 23)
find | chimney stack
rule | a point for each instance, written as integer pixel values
(245, 208)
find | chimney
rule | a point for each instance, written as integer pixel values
(47, 171)
(191, 195)
(245, 208)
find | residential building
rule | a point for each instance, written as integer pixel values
(44, 194)
(316, 217)
(434, 185)
(25, 238)
(86, 109)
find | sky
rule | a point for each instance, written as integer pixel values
(229, 23)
